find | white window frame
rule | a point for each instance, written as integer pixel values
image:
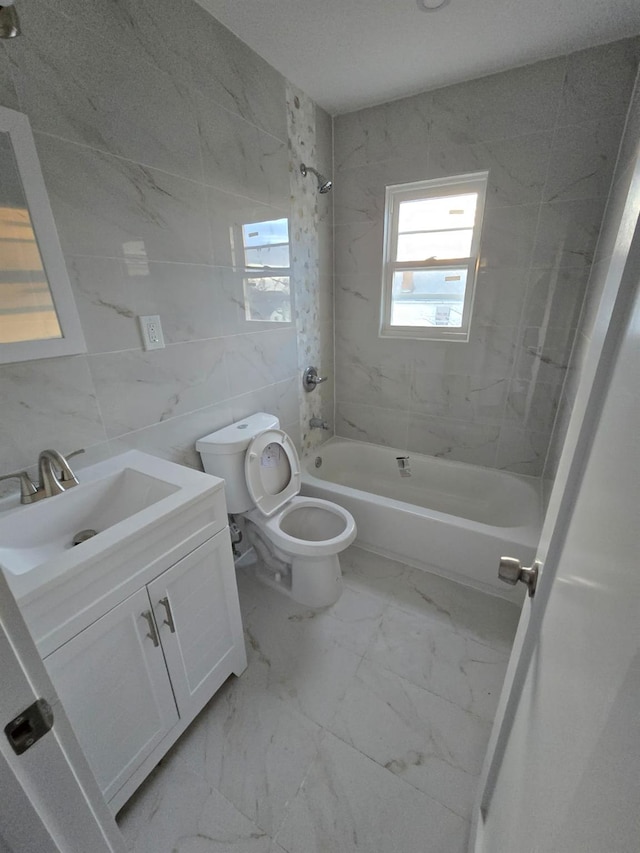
(72, 342)
(397, 193)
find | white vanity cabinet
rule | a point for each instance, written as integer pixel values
(133, 680)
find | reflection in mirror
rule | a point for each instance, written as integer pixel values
(38, 316)
(27, 312)
(266, 271)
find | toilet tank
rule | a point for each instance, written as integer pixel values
(223, 453)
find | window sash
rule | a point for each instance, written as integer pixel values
(398, 193)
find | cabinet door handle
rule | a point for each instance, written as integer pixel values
(169, 620)
(153, 631)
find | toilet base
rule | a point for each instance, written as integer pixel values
(311, 581)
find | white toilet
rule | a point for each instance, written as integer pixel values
(297, 539)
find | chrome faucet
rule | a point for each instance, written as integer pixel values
(318, 423)
(51, 483)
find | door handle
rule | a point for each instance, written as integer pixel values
(153, 631)
(511, 571)
(169, 620)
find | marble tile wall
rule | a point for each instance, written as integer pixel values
(616, 223)
(311, 142)
(160, 134)
(549, 136)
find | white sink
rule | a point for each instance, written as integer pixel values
(42, 531)
(140, 507)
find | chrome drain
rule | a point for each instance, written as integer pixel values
(83, 535)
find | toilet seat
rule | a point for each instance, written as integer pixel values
(308, 547)
(272, 471)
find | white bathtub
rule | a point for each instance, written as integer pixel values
(448, 517)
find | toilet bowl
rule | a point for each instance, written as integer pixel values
(297, 539)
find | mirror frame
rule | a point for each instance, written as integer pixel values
(72, 342)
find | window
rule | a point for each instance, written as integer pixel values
(267, 295)
(432, 241)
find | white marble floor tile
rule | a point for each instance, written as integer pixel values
(253, 748)
(485, 618)
(349, 803)
(372, 574)
(176, 811)
(301, 659)
(426, 740)
(436, 658)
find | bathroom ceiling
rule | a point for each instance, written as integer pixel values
(348, 54)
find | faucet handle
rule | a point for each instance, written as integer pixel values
(27, 488)
(75, 453)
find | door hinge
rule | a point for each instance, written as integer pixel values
(29, 726)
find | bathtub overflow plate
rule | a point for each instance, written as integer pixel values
(318, 461)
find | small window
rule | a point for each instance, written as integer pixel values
(432, 242)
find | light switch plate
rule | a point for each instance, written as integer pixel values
(151, 331)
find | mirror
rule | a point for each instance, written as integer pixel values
(38, 317)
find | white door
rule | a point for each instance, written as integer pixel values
(196, 609)
(564, 761)
(49, 800)
(114, 685)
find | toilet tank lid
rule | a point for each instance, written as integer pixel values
(236, 437)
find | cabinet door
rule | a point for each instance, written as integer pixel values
(113, 683)
(196, 607)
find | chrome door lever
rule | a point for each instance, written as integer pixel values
(511, 571)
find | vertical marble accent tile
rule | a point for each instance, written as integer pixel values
(453, 439)
(102, 94)
(105, 303)
(598, 81)
(239, 158)
(311, 258)
(176, 810)
(137, 389)
(432, 656)
(50, 402)
(372, 424)
(420, 737)
(522, 451)
(349, 803)
(582, 160)
(114, 208)
(567, 233)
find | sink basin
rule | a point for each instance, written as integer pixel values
(40, 532)
(131, 511)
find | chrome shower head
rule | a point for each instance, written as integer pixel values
(324, 184)
(9, 21)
